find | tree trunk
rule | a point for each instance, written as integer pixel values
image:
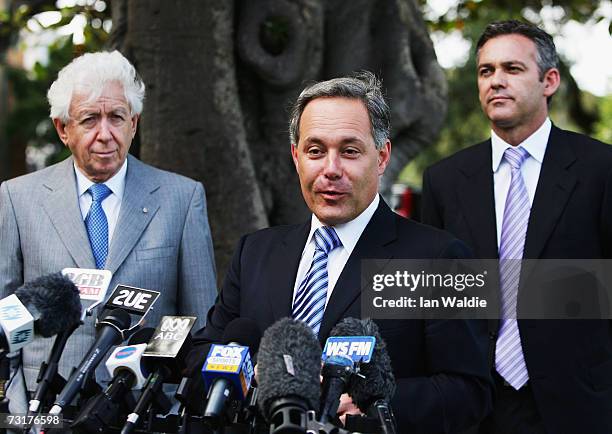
(220, 115)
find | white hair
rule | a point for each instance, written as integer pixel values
(89, 74)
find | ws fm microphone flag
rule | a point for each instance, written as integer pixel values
(341, 357)
(357, 348)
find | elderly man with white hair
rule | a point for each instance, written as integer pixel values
(102, 208)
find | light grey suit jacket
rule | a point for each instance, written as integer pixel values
(168, 248)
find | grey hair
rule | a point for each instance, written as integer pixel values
(89, 73)
(363, 86)
(546, 52)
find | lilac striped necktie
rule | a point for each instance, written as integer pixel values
(309, 303)
(509, 358)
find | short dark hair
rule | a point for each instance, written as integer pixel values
(363, 86)
(546, 55)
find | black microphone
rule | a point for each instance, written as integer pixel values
(63, 306)
(373, 387)
(228, 369)
(376, 380)
(336, 373)
(52, 301)
(110, 332)
(289, 364)
(106, 408)
(164, 357)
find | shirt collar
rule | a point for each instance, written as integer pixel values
(349, 232)
(116, 183)
(535, 144)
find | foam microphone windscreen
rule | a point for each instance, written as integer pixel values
(379, 382)
(54, 302)
(289, 365)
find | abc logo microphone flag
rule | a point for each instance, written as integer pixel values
(357, 348)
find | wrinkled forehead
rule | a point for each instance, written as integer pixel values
(88, 93)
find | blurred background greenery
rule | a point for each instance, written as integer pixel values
(53, 32)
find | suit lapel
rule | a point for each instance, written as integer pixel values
(285, 260)
(377, 234)
(138, 207)
(61, 203)
(555, 186)
(474, 189)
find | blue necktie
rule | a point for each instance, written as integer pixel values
(97, 224)
(309, 303)
(509, 358)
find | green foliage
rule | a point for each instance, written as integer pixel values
(603, 128)
(29, 119)
(28, 122)
(465, 123)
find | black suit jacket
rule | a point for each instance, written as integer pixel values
(440, 366)
(569, 362)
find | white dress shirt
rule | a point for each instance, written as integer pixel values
(111, 205)
(348, 233)
(535, 145)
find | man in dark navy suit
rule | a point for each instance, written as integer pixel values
(311, 271)
(531, 191)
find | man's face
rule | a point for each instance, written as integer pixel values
(99, 132)
(509, 87)
(336, 160)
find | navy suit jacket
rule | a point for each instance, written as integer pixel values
(440, 366)
(569, 361)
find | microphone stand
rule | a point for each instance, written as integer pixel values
(48, 379)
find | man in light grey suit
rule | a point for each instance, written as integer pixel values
(149, 227)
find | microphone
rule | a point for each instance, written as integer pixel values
(336, 372)
(110, 332)
(376, 380)
(228, 369)
(35, 308)
(373, 386)
(125, 367)
(289, 364)
(91, 286)
(127, 359)
(164, 357)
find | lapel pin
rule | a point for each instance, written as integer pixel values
(145, 210)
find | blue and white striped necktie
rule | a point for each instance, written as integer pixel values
(309, 303)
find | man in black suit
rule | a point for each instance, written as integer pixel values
(532, 191)
(340, 146)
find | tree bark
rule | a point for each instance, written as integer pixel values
(222, 74)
